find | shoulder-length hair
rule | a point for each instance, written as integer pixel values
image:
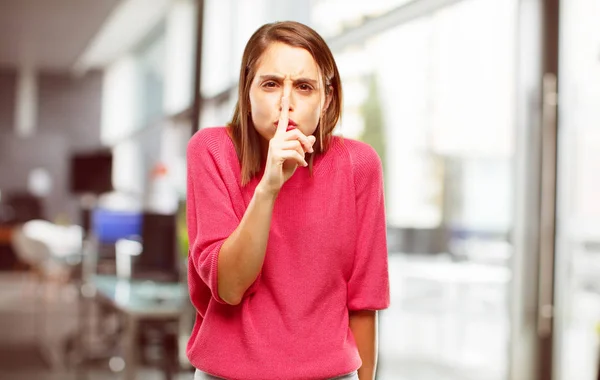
(241, 129)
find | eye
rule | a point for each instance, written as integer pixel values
(305, 87)
(270, 84)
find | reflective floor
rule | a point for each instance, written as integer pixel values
(448, 321)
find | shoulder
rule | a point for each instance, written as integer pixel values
(363, 164)
(207, 139)
(362, 158)
(212, 149)
(213, 142)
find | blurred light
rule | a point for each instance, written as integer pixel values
(27, 102)
(125, 249)
(179, 57)
(120, 100)
(39, 182)
(122, 291)
(116, 364)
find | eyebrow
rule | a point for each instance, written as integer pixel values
(314, 82)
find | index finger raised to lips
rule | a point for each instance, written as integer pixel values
(284, 115)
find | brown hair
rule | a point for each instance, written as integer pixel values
(245, 138)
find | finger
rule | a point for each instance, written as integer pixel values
(284, 115)
(293, 156)
(298, 135)
(311, 139)
(293, 145)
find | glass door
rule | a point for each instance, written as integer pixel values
(578, 229)
(433, 90)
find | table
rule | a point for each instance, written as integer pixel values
(139, 300)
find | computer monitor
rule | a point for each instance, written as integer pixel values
(22, 207)
(159, 259)
(91, 172)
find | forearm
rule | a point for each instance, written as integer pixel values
(242, 254)
(364, 329)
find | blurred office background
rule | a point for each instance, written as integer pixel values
(485, 114)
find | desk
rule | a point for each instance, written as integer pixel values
(139, 300)
(142, 298)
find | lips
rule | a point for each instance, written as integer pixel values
(291, 124)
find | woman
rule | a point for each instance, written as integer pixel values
(288, 259)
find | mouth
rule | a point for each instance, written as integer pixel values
(291, 124)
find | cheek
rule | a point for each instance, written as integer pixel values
(262, 107)
(313, 110)
(310, 116)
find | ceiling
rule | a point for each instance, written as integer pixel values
(49, 34)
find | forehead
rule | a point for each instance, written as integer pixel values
(286, 60)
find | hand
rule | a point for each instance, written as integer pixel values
(286, 152)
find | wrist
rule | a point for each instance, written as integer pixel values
(263, 192)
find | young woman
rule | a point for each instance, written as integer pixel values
(288, 259)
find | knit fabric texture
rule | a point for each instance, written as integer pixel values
(326, 256)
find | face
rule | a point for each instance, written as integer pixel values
(284, 70)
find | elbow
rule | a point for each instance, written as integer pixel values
(233, 300)
(230, 297)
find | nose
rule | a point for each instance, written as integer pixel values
(291, 105)
(287, 91)
(290, 108)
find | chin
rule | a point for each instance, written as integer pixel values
(310, 131)
(265, 133)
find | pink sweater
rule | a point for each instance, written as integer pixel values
(326, 255)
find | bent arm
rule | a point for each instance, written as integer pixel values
(243, 253)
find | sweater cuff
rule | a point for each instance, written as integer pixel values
(214, 275)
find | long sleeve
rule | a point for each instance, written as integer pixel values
(210, 214)
(368, 287)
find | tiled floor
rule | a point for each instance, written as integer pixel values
(435, 329)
